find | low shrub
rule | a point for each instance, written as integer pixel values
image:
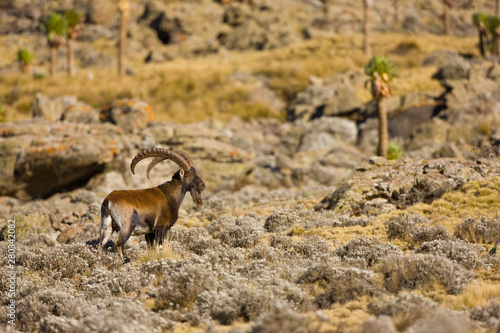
(313, 246)
(488, 314)
(280, 220)
(115, 316)
(339, 284)
(183, 282)
(461, 252)
(32, 308)
(120, 282)
(411, 272)
(414, 229)
(443, 321)
(282, 318)
(243, 232)
(66, 261)
(381, 324)
(280, 241)
(247, 298)
(482, 231)
(284, 219)
(195, 239)
(404, 309)
(371, 250)
(325, 219)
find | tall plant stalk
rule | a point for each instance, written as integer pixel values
(381, 71)
(367, 5)
(124, 8)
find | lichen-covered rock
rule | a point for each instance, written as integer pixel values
(52, 108)
(42, 157)
(128, 114)
(80, 112)
(383, 186)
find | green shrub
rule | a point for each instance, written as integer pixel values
(394, 151)
(2, 114)
(25, 56)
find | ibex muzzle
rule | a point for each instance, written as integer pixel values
(153, 211)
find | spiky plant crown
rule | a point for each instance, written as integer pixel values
(25, 56)
(56, 26)
(493, 24)
(74, 18)
(382, 66)
(380, 70)
(480, 20)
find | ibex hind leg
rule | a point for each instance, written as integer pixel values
(125, 234)
(106, 227)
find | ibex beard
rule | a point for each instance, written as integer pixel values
(153, 211)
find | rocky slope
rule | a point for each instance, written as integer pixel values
(257, 255)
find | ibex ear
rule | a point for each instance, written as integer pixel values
(181, 173)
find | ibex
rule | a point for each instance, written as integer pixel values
(153, 211)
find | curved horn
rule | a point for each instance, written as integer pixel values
(187, 158)
(154, 162)
(161, 154)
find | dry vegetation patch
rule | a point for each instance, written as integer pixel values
(201, 88)
(414, 229)
(474, 199)
(404, 309)
(422, 270)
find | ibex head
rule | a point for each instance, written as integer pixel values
(186, 175)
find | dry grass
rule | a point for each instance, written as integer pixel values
(347, 317)
(166, 251)
(477, 293)
(474, 199)
(186, 90)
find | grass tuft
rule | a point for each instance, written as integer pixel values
(166, 251)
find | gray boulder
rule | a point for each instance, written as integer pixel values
(51, 108)
(324, 133)
(455, 68)
(336, 97)
(128, 114)
(442, 58)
